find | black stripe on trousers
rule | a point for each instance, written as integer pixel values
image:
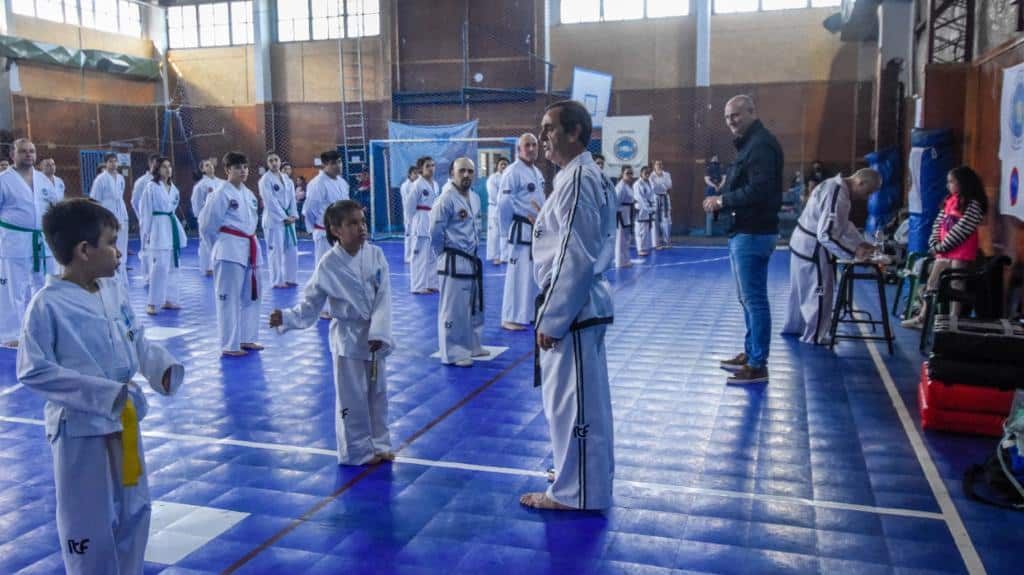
(581, 441)
(821, 292)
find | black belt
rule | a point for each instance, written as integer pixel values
(576, 326)
(515, 232)
(621, 222)
(477, 273)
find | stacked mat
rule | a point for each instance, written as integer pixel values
(968, 381)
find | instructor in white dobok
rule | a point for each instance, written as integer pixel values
(572, 248)
(661, 183)
(454, 235)
(279, 217)
(646, 212)
(108, 190)
(823, 232)
(522, 195)
(496, 242)
(25, 259)
(624, 217)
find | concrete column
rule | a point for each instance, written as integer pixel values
(703, 13)
(263, 16)
(7, 29)
(154, 26)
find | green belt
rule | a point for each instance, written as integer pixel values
(289, 234)
(175, 239)
(38, 252)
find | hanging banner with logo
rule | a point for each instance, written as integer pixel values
(624, 142)
(1011, 144)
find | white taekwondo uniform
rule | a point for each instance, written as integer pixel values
(79, 351)
(163, 237)
(522, 194)
(278, 193)
(572, 247)
(228, 222)
(454, 235)
(823, 232)
(200, 191)
(662, 185)
(424, 265)
(321, 192)
(408, 210)
(646, 206)
(496, 242)
(357, 290)
(136, 200)
(108, 190)
(25, 259)
(623, 222)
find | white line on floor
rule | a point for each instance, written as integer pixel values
(11, 389)
(952, 517)
(534, 473)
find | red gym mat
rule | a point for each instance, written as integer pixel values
(970, 398)
(937, 419)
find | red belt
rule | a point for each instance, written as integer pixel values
(319, 227)
(423, 208)
(252, 255)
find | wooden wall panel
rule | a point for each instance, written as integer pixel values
(981, 142)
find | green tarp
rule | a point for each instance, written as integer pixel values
(16, 48)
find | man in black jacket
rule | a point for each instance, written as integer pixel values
(753, 193)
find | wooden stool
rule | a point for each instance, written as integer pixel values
(844, 312)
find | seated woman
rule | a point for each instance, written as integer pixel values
(954, 239)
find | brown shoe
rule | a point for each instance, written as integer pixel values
(748, 376)
(734, 364)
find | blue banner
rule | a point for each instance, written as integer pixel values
(437, 145)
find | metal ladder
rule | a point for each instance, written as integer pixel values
(353, 112)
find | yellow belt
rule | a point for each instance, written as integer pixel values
(131, 465)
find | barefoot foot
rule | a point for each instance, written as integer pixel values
(542, 501)
(232, 353)
(151, 310)
(251, 346)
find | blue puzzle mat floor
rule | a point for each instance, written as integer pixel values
(812, 473)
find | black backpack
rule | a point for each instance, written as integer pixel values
(994, 482)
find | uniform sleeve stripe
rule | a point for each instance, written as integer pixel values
(576, 183)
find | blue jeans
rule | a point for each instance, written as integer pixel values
(749, 255)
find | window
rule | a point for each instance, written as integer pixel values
(71, 12)
(734, 6)
(623, 10)
(119, 16)
(824, 3)
(182, 27)
(300, 20)
(130, 18)
(363, 18)
(328, 19)
(50, 10)
(576, 11)
(105, 13)
(214, 25)
(666, 8)
(292, 21)
(242, 31)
